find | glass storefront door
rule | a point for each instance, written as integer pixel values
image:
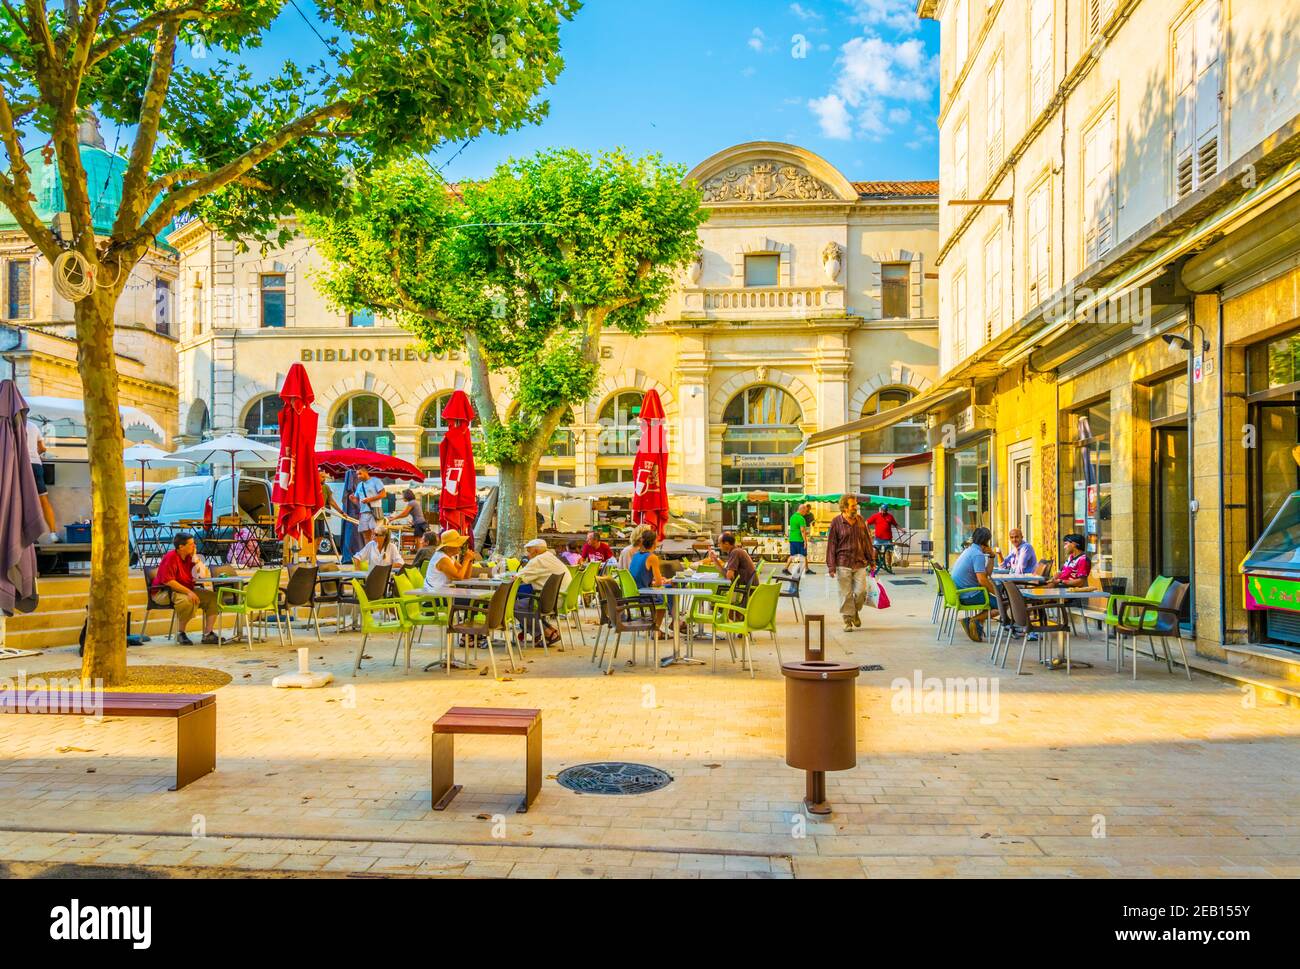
(1171, 540)
(968, 492)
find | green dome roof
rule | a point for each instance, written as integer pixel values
(104, 174)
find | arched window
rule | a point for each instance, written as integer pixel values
(435, 427)
(363, 421)
(906, 437)
(757, 455)
(262, 422)
(620, 424)
(562, 439)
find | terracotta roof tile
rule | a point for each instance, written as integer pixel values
(890, 190)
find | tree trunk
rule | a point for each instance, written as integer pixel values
(484, 520)
(105, 654)
(517, 507)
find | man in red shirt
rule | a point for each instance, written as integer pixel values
(595, 550)
(173, 585)
(882, 527)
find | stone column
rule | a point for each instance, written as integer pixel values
(406, 441)
(832, 369)
(691, 437)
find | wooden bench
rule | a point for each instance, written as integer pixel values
(195, 716)
(485, 720)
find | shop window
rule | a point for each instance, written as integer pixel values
(968, 492)
(1085, 482)
(620, 425)
(763, 270)
(1169, 398)
(761, 434)
(906, 437)
(273, 299)
(613, 475)
(262, 422)
(435, 427)
(364, 421)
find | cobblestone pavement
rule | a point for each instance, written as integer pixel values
(1039, 775)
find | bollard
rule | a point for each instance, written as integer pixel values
(809, 653)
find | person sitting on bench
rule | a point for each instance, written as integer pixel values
(174, 584)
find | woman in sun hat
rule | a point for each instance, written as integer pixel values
(451, 562)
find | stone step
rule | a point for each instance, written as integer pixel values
(1266, 660)
(1264, 687)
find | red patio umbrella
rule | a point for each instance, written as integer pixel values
(650, 467)
(339, 463)
(458, 504)
(296, 492)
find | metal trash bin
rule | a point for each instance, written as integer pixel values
(820, 720)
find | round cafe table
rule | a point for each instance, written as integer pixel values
(680, 597)
(1064, 596)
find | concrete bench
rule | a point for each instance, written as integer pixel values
(195, 716)
(485, 720)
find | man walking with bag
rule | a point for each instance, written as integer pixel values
(848, 556)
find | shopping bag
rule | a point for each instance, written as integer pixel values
(876, 595)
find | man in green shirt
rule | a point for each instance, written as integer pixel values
(799, 532)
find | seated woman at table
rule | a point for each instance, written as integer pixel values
(451, 562)
(647, 574)
(380, 550)
(1074, 572)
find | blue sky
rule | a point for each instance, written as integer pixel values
(690, 77)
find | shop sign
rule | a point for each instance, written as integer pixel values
(1198, 368)
(1263, 592)
(762, 461)
(377, 354)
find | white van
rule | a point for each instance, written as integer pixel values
(186, 499)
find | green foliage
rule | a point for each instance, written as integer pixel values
(400, 76)
(525, 268)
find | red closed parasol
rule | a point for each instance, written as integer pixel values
(458, 505)
(650, 467)
(296, 492)
(339, 463)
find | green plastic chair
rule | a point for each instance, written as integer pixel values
(587, 580)
(953, 606)
(421, 612)
(626, 584)
(757, 615)
(259, 598)
(570, 605)
(1155, 595)
(413, 575)
(512, 565)
(375, 618)
(709, 567)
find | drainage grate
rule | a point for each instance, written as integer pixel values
(872, 668)
(613, 777)
(907, 582)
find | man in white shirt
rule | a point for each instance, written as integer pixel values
(542, 564)
(35, 450)
(370, 496)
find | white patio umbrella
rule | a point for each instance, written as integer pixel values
(234, 447)
(146, 454)
(70, 409)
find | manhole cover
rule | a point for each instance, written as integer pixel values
(907, 581)
(613, 778)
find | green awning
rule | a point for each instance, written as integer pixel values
(783, 498)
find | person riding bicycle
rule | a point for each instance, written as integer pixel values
(882, 524)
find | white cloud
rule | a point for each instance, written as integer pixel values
(899, 15)
(833, 116)
(804, 13)
(749, 72)
(872, 76)
(756, 39)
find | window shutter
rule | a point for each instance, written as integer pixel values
(1198, 83)
(994, 97)
(993, 286)
(1208, 90)
(1039, 250)
(960, 161)
(1099, 188)
(1041, 54)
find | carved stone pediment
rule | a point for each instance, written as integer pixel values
(766, 182)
